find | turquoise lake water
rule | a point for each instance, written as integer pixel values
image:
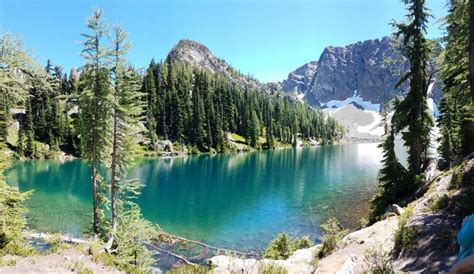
(230, 200)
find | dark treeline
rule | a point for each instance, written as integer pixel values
(46, 118)
(188, 106)
(193, 106)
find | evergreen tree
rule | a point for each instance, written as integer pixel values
(457, 111)
(127, 108)
(393, 180)
(18, 73)
(412, 111)
(471, 50)
(12, 210)
(149, 88)
(254, 129)
(94, 102)
(28, 131)
(197, 132)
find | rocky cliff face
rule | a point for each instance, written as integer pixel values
(199, 56)
(299, 80)
(361, 73)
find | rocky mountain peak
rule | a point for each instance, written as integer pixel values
(365, 72)
(194, 54)
(199, 56)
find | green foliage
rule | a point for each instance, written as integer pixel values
(333, 233)
(304, 242)
(12, 212)
(441, 203)
(7, 262)
(18, 73)
(378, 261)
(394, 183)
(457, 110)
(95, 105)
(463, 179)
(56, 243)
(412, 111)
(217, 106)
(99, 255)
(132, 234)
(282, 246)
(279, 248)
(127, 107)
(80, 268)
(268, 268)
(185, 269)
(406, 237)
(315, 259)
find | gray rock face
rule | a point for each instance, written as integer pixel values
(199, 56)
(363, 66)
(372, 68)
(299, 80)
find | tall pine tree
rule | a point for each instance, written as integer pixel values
(412, 112)
(94, 102)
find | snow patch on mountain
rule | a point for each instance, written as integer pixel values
(375, 127)
(361, 125)
(357, 99)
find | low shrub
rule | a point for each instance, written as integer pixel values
(279, 248)
(441, 203)
(80, 268)
(186, 269)
(282, 246)
(56, 243)
(378, 261)
(304, 242)
(7, 262)
(271, 269)
(193, 149)
(333, 233)
(405, 236)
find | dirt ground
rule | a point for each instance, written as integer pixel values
(72, 260)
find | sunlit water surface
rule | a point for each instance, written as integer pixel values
(229, 200)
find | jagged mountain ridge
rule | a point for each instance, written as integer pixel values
(364, 72)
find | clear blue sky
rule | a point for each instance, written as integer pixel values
(267, 39)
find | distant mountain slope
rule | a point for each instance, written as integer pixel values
(299, 80)
(199, 56)
(364, 73)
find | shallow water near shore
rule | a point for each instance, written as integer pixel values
(236, 201)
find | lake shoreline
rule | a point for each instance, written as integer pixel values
(302, 192)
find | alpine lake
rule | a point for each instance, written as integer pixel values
(236, 201)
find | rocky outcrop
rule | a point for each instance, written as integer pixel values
(372, 68)
(301, 261)
(350, 257)
(199, 56)
(368, 70)
(299, 81)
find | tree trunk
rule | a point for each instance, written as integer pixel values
(95, 224)
(113, 185)
(471, 47)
